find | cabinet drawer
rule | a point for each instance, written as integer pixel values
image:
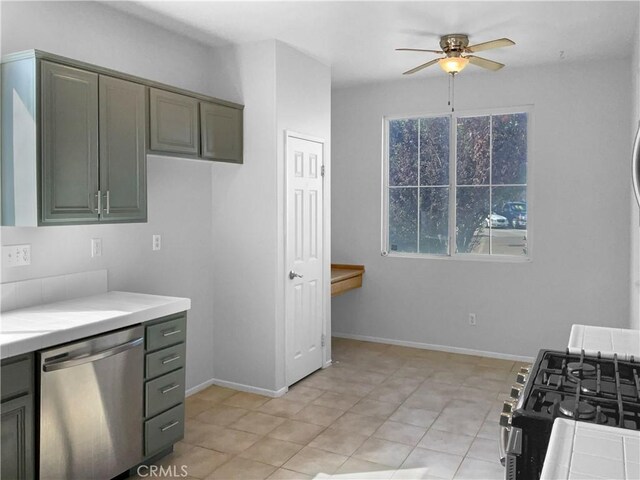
(164, 392)
(163, 430)
(165, 360)
(16, 376)
(166, 333)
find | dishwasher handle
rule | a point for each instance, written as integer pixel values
(92, 357)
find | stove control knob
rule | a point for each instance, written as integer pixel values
(521, 378)
(516, 390)
(505, 419)
(509, 406)
(525, 370)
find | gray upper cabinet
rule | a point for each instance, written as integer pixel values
(75, 138)
(69, 144)
(221, 132)
(123, 137)
(173, 123)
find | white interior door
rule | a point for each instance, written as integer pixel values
(304, 257)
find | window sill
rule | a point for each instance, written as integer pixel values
(470, 257)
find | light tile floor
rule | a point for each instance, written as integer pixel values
(379, 412)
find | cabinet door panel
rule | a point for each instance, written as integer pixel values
(17, 439)
(173, 122)
(69, 145)
(221, 130)
(123, 160)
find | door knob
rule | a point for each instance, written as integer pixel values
(293, 275)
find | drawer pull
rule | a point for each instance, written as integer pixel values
(170, 425)
(168, 333)
(168, 389)
(170, 359)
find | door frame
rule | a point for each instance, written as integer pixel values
(326, 290)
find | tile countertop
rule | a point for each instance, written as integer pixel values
(42, 326)
(624, 342)
(579, 450)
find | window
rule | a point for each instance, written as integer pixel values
(456, 185)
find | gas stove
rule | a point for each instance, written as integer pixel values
(603, 391)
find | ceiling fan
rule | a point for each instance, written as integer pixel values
(456, 49)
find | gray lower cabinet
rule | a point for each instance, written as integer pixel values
(16, 409)
(123, 138)
(69, 144)
(221, 132)
(173, 123)
(164, 383)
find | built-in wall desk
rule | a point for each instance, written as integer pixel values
(345, 278)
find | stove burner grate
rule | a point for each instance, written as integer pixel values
(581, 369)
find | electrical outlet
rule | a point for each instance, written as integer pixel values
(472, 319)
(157, 242)
(16, 255)
(25, 255)
(96, 247)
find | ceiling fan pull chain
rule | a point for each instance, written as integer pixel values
(452, 91)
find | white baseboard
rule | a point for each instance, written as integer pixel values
(237, 386)
(441, 348)
(198, 388)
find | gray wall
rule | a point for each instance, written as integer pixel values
(244, 212)
(581, 209)
(179, 194)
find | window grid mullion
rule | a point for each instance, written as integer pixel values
(490, 183)
(418, 194)
(453, 155)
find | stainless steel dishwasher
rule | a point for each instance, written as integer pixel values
(91, 406)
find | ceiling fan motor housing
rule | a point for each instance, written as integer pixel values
(454, 45)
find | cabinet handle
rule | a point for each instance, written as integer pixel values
(99, 197)
(170, 359)
(170, 425)
(168, 333)
(108, 201)
(168, 389)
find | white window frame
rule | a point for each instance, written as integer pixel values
(453, 255)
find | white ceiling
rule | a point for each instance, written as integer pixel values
(358, 38)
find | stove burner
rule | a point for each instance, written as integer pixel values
(588, 386)
(580, 369)
(586, 411)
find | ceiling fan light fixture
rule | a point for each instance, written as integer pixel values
(453, 65)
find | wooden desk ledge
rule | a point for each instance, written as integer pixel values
(345, 278)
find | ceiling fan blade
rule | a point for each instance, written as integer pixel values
(417, 50)
(484, 63)
(420, 67)
(500, 42)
